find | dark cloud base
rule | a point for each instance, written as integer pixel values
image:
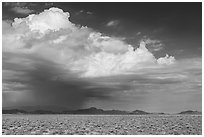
(50, 85)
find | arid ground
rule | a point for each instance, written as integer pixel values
(101, 124)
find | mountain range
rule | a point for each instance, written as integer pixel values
(92, 110)
(191, 112)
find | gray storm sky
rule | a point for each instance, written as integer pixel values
(129, 56)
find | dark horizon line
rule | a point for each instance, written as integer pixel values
(77, 111)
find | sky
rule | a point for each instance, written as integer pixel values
(125, 56)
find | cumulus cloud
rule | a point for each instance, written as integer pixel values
(154, 45)
(19, 7)
(53, 19)
(71, 59)
(84, 12)
(112, 23)
(166, 60)
(98, 55)
(22, 10)
(88, 12)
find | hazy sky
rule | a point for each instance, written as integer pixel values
(123, 56)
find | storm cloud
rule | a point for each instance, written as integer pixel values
(47, 84)
(48, 60)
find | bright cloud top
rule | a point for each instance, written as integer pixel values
(53, 37)
(53, 19)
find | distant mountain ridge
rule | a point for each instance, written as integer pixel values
(38, 107)
(92, 110)
(13, 111)
(42, 110)
(191, 112)
(139, 112)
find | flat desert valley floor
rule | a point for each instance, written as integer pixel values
(101, 124)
